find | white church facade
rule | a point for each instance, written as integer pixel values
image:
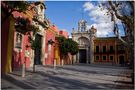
(84, 37)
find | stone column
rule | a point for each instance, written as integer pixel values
(91, 50)
(43, 48)
(32, 56)
(87, 55)
(77, 59)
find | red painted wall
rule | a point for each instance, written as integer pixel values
(50, 35)
(63, 33)
(19, 57)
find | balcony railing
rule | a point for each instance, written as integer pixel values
(100, 52)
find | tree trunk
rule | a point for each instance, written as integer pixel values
(62, 62)
(34, 68)
(33, 61)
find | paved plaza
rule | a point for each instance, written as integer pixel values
(79, 76)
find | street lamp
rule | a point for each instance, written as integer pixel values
(50, 42)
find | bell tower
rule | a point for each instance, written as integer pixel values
(82, 25)
(40, 10)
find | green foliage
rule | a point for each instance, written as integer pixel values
(62, 45)
(7, 7)
(61, 39)
(35, 44)
(23, 26)
(67, 46)
(73, 46)
(20, 6)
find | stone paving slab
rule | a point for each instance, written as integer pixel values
(48, 78)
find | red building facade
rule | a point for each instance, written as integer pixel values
(110, 49)
(19, 44)
(43, 56)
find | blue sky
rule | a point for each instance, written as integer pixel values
(66, 14)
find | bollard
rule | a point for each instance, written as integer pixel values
(54, 63)
(23, 70)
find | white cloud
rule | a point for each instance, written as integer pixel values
(101, 21)
(88, 6)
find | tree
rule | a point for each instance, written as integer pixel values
(23, 26)
(73, 46)
(124, 11)
(8, 7)
(67, 46)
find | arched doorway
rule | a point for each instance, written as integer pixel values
(121, 59)
(84, 51)
(82, 56)
(37, 56)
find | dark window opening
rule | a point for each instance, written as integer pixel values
(104, 57)
(111, 57)
(41, 7)
(97, 57)
(97, 48)
(111, 48)
(104, 48)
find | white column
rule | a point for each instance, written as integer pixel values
(87, 60)
(77, 59)
(92, 51)
(43, 48)
(32, 58)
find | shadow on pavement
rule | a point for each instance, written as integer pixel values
(59, 82)
(85, 71)
(16, 82)
(124, 82)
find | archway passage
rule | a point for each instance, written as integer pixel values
(37, 58)
(82, 56)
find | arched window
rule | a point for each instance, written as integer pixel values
(18, 40)
(83, 41)
(41, 8)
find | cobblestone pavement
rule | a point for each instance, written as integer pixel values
(82, 76)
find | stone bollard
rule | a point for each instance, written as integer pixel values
(23, 70)
(54, 63)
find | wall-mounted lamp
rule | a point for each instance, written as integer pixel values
(50, 41)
